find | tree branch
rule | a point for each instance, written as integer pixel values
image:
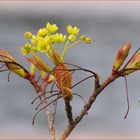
(97, 90)
(68, 109)
(50, 116)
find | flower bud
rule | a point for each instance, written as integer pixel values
(26, 49)
(133, 64)
(87, 40)
(59, 38)
(82, 37)
(72, 38)
(12, 64)
(42, 32)
(28, 35)
(121, 56)
(51, 28)
(51, 79)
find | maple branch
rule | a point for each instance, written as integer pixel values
(97, 90)
(40, 90)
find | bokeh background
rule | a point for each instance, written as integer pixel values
(111, 24)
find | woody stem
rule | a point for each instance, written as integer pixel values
(68, 109)
(97, 90)
(40, 90)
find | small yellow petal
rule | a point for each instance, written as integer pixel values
(83, 37)
(72, 38)
(42, 32)
(28, 35)
(26, 49)
(72, 30)
(87, 40)
(51, 28)
(59, 38)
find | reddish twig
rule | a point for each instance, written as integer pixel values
(127, 98)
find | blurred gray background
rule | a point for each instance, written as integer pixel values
(111, 24)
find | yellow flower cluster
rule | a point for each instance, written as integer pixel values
(47, 38)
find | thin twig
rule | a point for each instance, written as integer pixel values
(55, 110)
(43, 109)
(8, 77)
(2, 66)
(59, 79)
(80, 97)
(4, 70)
(43, 94)
(81, 81)
(40, 92)
(127, 98)
(46, 99)
(73, 65)
(131, 58)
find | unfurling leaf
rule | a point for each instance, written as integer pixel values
(121, 56)
(39, 64)
(133, 65)
(12, 64)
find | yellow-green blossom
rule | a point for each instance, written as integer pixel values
(26, 49)
(42, 45)
(72, 38)
(28, 35)
(87, 40)
(72, 30)
(34, 40)
(51, 28)
(82, 37)
(33, 50)
(42, 32)
(59, 38)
